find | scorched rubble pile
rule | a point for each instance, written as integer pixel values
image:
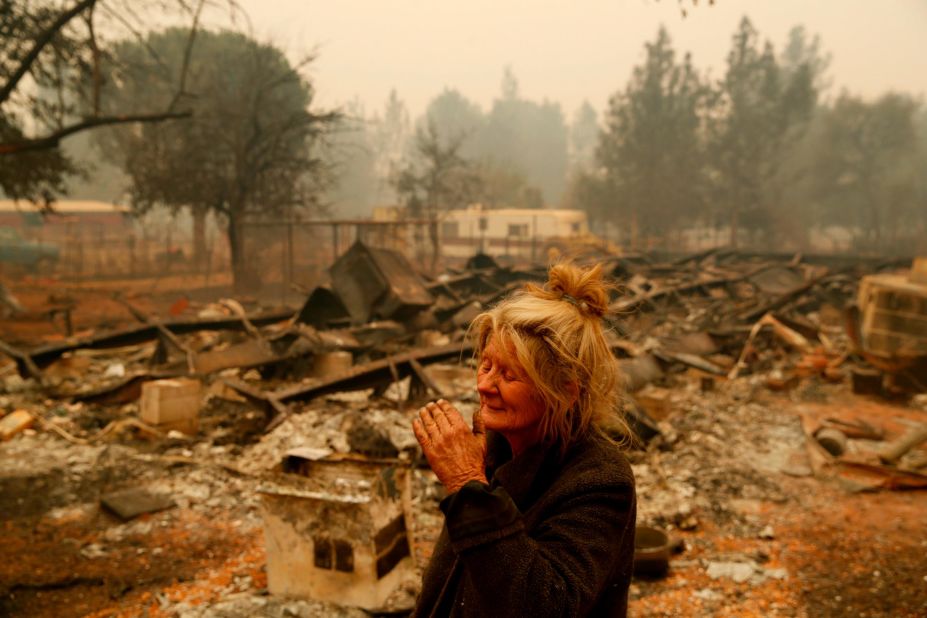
(141, 467)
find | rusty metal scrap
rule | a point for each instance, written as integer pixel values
(378, 283)
(322, 309)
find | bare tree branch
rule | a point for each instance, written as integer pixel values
(188, 51)
(52, 140)
(95, 51)
(44, 38)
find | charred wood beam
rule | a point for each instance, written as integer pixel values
(636, 302)
(176, 342)
(732, 256)
(167, 336)
(139, 316)
(696, 257)
(269, 403)
(25, 364)
(783, 299)
(370, 375)
(44, 356)
(389, 369)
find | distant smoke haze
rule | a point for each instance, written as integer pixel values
(568, 51)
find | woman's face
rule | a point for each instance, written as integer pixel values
(509, 402)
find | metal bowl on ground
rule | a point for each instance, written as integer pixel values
(651, 552)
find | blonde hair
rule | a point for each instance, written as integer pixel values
(557, 337)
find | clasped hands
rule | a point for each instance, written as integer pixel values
(455, 452)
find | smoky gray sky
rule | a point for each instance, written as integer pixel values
(568, 51)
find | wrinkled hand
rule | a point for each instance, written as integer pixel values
(456, 453)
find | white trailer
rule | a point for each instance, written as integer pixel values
(507, 232)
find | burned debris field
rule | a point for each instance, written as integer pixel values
(395, 309)
(218, 457)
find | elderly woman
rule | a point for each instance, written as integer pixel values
(540, 511)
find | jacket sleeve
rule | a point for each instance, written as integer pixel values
(560, 570)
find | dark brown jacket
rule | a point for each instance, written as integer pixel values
(552, 535)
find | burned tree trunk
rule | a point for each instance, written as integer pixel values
(435, 245)
(241, 277)
(199, 238)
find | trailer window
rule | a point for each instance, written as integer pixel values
(450, 229)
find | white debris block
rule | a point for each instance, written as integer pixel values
(349, 543)
(173, 403)
(742, 572)
(738, 571)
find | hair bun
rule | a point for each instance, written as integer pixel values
(582, 287)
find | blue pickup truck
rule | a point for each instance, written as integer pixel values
(17, 251)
